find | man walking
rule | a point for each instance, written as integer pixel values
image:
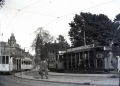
(43, 69)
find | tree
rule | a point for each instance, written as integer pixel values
(116, 40)
(117, 18)
(61, 39)
(62, 43)
(88, 28)
(2, 2)
(42, 37)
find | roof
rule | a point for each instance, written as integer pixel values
(88, 48)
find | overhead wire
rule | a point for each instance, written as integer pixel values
(50, 22)
(26, 11)
(39, 13)
(31, 4)
(50, 15)
(10, 8)
(87, 8)
(31, 12)
(11, 20)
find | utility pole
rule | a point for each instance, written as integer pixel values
(3, 45)
(20, 62)
(84, 32)
(2, 37)
(0, 28)
(84, 39)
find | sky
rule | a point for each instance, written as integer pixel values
(23, 17)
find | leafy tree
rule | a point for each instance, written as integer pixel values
(57, 46)
(62, 43)
(42, 37)
(88, 28)
(117, 18)
(52, 47)
(2, 2)
(61, 39)
(116, 40)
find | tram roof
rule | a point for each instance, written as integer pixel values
(88, 48)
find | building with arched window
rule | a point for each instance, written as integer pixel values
(11, 48)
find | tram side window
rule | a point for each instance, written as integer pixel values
(0, 59)
(29, 63)
(26, 62)
(3, 59)
(60, 57)
(7, 59)
(22, 61)
(56, 57)
(14, 61)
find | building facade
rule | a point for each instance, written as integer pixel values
(13, 49)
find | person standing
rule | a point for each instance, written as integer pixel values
(44, 69)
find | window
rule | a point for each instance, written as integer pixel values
(1, 51)
(7, 59)
(60, 57)
(22, 61)
(0, 59)
(56, 57)
(14, 61)
(7, 51)
(30, 62)
(3, 59)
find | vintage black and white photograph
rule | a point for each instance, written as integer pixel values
(59, 42)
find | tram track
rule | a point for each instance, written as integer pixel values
(12, 80)
(1, 84)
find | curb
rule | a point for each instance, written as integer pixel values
(47, 80)
(107, 76)
(44, 80)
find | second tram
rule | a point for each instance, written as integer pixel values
(87, 58)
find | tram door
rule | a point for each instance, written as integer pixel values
(18, 64)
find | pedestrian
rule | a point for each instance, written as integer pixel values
(44, 69)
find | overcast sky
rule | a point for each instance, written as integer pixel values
(23, 17)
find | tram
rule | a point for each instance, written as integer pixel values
(55, 63)
(88, 58)
(10, 64)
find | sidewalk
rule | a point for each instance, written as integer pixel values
(88, 79)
